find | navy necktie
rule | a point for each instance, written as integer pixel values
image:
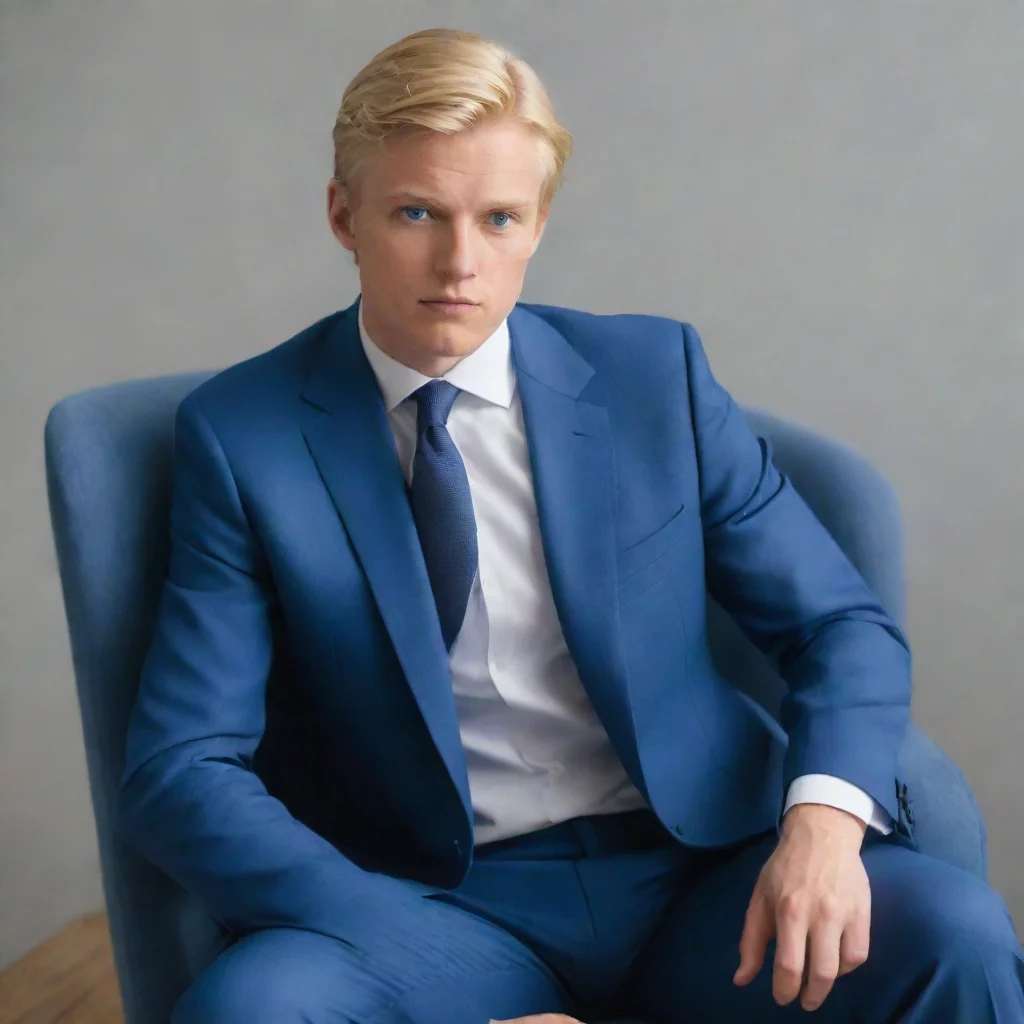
(443, 508)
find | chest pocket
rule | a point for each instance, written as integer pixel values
(643, 565)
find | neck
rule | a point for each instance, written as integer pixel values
(429, 363)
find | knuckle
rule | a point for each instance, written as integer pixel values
(790, 908)
(787, 966)
(821, 976)
(829, 907)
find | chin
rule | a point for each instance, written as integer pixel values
(454, 342)
(452, 348)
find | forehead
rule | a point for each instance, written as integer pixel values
(503, 160)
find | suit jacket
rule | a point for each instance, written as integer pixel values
(295, 744)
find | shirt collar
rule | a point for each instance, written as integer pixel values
(486, 373)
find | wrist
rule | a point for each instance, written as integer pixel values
(824, 819)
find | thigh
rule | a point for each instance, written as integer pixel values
(587, 918)
(441, 966)
(924, 913)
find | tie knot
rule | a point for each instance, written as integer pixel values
(435, 401)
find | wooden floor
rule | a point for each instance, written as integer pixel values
(69, 979)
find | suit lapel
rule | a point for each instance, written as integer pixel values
(349, 436)
(572, 460)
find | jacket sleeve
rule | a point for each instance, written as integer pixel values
(777, 571)
(188, 799)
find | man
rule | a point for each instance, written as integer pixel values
(429, 723)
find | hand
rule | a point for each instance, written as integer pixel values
(540, 1018)
(814, 897)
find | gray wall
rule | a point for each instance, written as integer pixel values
(830, 191)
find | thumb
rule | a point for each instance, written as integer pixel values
(758, 929)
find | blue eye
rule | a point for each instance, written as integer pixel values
(411, 214)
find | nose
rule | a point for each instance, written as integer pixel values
(457, 259)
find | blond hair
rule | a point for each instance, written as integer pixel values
(444, 80)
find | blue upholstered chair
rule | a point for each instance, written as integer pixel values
(108, 461)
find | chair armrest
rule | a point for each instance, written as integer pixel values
(947, 821)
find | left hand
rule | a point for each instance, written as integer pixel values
(539, 1018)
(814, 897)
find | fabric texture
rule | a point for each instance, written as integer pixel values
(109, 457)
(607, 914)
(535, 749)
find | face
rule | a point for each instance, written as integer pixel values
(442, 216)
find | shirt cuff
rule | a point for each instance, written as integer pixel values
(835, 792)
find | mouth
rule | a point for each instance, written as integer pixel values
(449, 306)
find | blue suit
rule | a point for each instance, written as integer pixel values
(294, 756)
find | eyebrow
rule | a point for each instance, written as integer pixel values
(425, 200)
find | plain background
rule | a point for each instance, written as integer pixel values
(830, 191)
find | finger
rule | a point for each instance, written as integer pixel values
(758, 929)
(822, 961)
(856, 943)
(791, 920)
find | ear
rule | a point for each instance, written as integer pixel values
(340, 214)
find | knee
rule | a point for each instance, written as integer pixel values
(225, 997)
(979, 916)
(260, 980)
(961, 919)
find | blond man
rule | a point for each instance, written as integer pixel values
(430, 725)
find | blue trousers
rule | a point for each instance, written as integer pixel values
(607, 917)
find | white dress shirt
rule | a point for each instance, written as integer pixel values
(536, 752)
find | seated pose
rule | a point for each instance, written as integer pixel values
(430, 726)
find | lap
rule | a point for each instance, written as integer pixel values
(509, 942)
(921, 910)
(436, 964)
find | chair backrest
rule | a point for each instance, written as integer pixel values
(109, 467)
(109, 470)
